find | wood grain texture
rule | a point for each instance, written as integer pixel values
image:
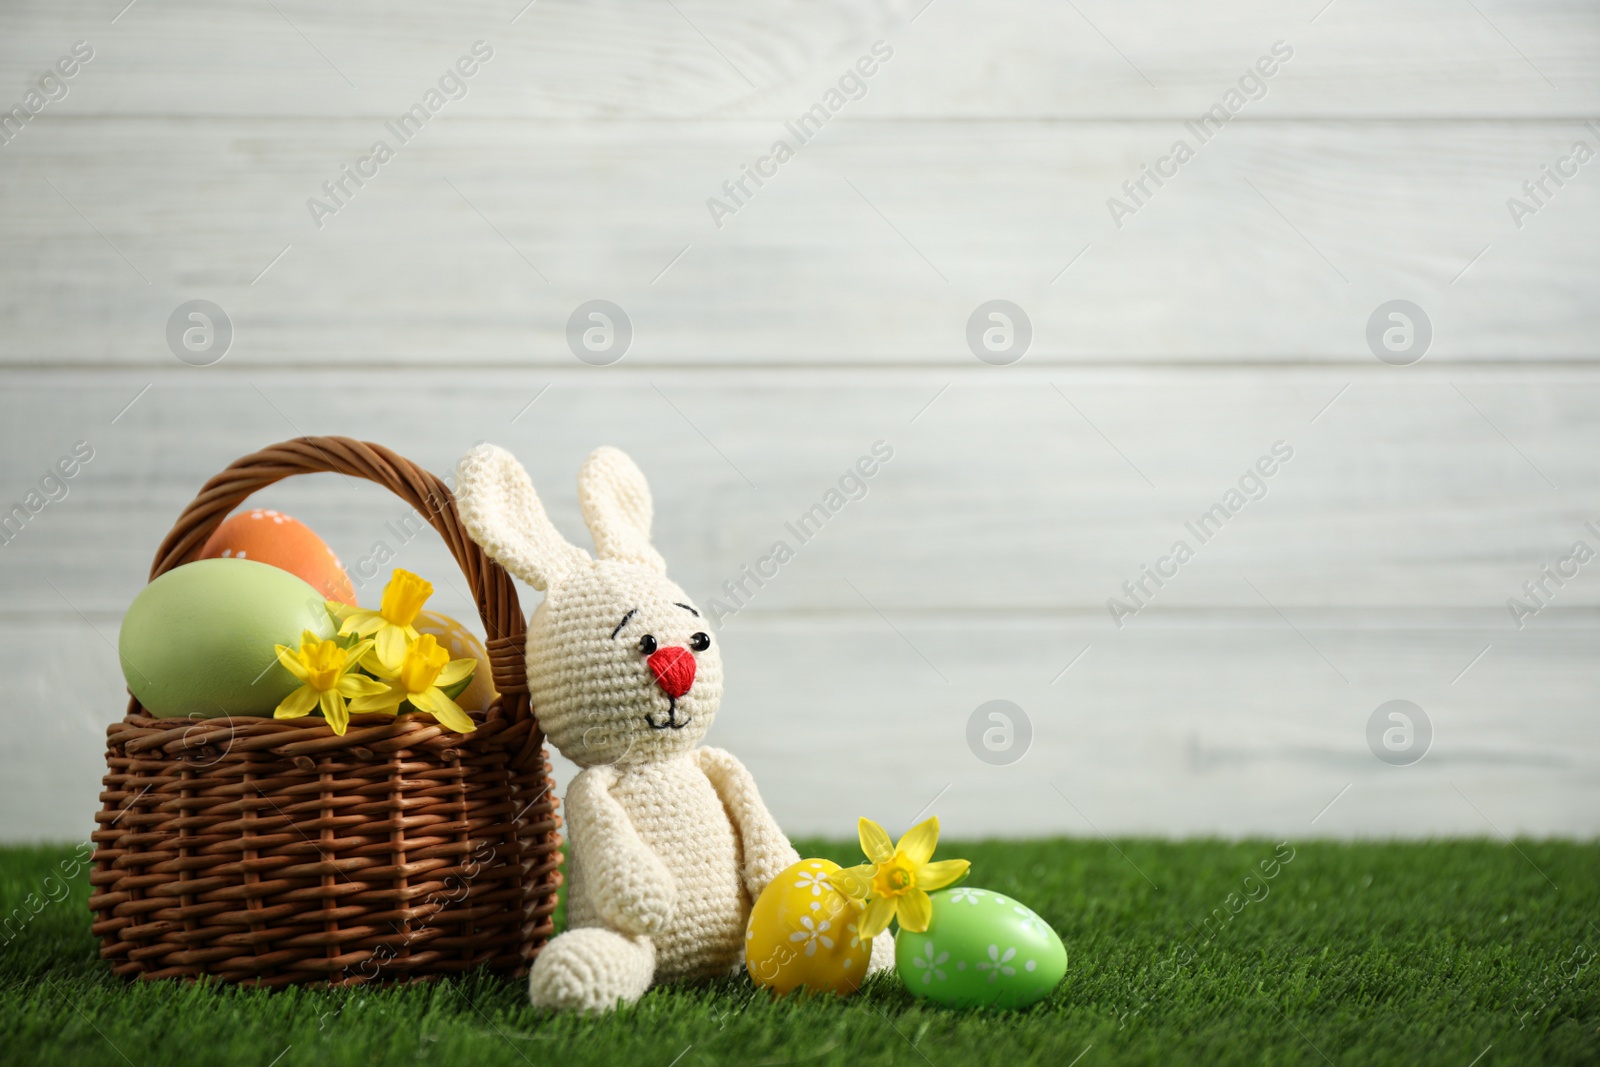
(1207, 727)
(1037, 495)
(718, 58)
(1169, 353)
(872, 246)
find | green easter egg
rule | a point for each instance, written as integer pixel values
(981, 949)
(198, 641)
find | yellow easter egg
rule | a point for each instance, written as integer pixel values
(802, 932)
(461, 643)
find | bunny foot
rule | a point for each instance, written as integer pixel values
(590, 970)
(882, 953)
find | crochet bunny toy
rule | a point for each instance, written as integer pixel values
(668, 843)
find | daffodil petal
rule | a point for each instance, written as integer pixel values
(853, 882)
(446, 711)
(386, 702)
(941, 873)
(454, 671)
(875, 920)
(298, 703)
(291, 662)
(334, 710)
(920, 841)
(363, 623)
(874, 841)
(359, 685)
(916, 911)
(339, 609)
(371, 663)
(391, 646)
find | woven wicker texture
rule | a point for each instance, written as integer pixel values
(273, 852)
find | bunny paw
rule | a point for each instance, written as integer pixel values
(882, 953)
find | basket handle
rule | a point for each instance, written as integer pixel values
(491, 586)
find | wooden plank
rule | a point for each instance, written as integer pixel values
(1228, 312)
(1180, 730)
(717, 58)
(1172, 730)
(1277, 242)
(1019, 496)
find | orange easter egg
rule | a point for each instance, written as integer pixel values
(461, 643)
(277, 540)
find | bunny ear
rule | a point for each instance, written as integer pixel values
(502, 513)
(616, 505)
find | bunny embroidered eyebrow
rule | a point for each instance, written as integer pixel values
(635, 611)
(623, 623)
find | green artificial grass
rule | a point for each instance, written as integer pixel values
(1459, 952)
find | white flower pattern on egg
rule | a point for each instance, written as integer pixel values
(928, 964)
(964, 895)
(816, 881)
(813, 933)
(997, 964)
(1034, 924)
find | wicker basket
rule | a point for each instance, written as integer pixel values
(275, 853)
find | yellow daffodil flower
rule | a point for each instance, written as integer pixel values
(422, 670)
(324, 666)
(392, 625)
(896, 883)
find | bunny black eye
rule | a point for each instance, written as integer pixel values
(647, 644)
(699, 642)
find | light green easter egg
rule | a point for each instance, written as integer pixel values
(198, 641)
(981, 949)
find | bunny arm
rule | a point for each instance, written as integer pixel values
(630, 887)
(766, 849)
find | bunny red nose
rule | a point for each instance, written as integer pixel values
(674, 669)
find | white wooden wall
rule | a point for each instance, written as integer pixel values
(829, 313)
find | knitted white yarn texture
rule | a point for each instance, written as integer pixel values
(668, 843)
